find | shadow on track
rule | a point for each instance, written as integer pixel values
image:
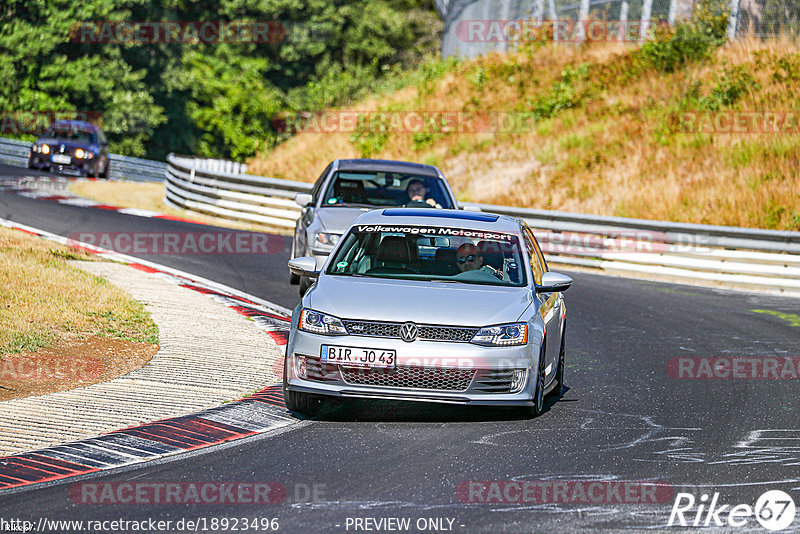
(380, 410)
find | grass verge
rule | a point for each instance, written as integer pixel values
(44, 300)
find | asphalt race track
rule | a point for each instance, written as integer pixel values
(624, 419)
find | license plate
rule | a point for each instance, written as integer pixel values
(62, 159)
(358, 356)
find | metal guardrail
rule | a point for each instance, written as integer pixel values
(741, 257)
(14, 152)
(191, 184)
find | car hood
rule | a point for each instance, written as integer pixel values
(421, 302)
(338, 220)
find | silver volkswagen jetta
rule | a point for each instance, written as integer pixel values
(429, 305)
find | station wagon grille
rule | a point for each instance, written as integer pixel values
(425, 332)
(411, 377)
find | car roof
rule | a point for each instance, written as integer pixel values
(386, 165)
(75, 125)
(438, 217)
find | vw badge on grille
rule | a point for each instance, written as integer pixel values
(408, 332)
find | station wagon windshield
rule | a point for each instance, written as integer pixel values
(385, 189)
(443, 254)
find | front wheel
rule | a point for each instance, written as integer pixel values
(293, 278)
(106, 170)
(537, 407)
(297, 401)
(304, 403)
(558, 389)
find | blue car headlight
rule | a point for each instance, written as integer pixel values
(320, 323)
(502, 335)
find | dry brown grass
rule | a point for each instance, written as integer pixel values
(44, 300)
(149, 196)
(613, 153)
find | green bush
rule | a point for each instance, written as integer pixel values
(563, 94)
(687, 41)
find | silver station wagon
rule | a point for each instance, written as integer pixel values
(429, 305)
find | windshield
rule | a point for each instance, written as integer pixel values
(446, 254)
(71, 134)
(386, 189)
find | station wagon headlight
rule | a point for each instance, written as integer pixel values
(45, 149)
(502, 335)
(324, 238)
(321, 323)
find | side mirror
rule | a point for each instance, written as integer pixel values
(305, 266)
(553, 283)
(303, 199)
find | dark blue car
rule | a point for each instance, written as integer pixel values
(71, 146)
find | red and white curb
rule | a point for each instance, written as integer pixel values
(18, 187)
(261, 412)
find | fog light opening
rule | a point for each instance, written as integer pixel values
(518, 380)
(301, 367)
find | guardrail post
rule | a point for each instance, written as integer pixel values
(733, 19)
(623, 20)
(647, 13)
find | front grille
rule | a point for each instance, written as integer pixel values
(364, 328)
(493, 381)
(411, 377)
(425, 332)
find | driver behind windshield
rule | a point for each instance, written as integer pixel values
(417, 192)
(470, 258)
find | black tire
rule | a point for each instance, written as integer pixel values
(305, 283)
(293, 278)
(537, 407)
(300, 402)
(106, 171)
(304, 403)
(558, 388)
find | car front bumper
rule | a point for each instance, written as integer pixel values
(77, 166)
(426, 371)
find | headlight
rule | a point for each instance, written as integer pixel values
(45, 149)
(324, 238)
(320, 323)
(79, 153)
(35, 148)
(502, 335)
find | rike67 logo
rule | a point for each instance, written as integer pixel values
(774, 510)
